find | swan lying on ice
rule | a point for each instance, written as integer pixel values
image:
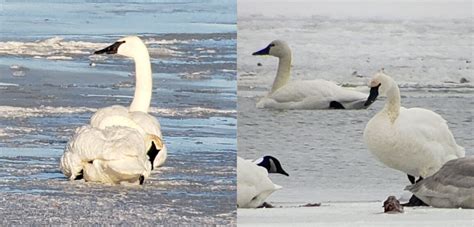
(451, 187)
(121, 145)
(304, 94)
(253, 183)
(415, 141)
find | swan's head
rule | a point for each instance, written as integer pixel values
(130, 46)
(271, 164)
(379, 84)
(277, 48)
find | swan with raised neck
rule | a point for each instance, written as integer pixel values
(386, 86)
(415, 141)
(133, 47)
(281, 50)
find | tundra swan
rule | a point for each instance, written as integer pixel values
(304, 94)
(414, 141)
(121, 145)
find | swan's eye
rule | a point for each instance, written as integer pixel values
(271, 45)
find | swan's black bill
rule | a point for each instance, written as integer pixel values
(374, 92)
(265, 51)
(112, 49)
(152, 153)
(272, 165)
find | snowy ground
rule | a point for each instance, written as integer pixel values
(353, 214)
(426, 46)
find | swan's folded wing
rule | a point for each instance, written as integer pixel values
(417, 124)
(297, 91)
(89, 144)
(318, 90)
(147, 122)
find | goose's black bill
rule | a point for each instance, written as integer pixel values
(112, 49)
(265, 51)
(374, 92)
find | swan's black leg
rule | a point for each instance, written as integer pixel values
(80, 175)
(411, 178)
(419, 179)
(336, 105)
(414, 201)
(141, 179)
(266, 205)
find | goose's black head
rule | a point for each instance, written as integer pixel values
(271, 164)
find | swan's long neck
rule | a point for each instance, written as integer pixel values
(283, 73)
(143, 83)
(392, 106)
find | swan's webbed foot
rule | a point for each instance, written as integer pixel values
(80, 176)
(266, 205)
(414, 202)
(336, 105)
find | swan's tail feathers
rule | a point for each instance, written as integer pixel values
(460, 152)
(277, 187)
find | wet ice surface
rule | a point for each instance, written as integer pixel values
(322, 150)
(50, 85)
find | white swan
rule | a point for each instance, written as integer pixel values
(121, 145)
(305, 94)
(451, 187)
(253, 184)
(415, 141)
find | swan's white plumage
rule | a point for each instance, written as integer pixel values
(451, 187)
(253, 184)
(415, 141)
(305, 94)
(143, 122)
(101, 154)
(113, 148)
(312, 94)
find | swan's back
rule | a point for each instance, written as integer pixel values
(451, 187)
(253, 184)
(313, 94)
(120, 116)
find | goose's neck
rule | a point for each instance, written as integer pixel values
(143, 84)
(392, 106)
(283, 73)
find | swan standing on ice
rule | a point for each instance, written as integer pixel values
(451, 187)
(121, 145)
(253, 184)
(304, 94)
(415, 141)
